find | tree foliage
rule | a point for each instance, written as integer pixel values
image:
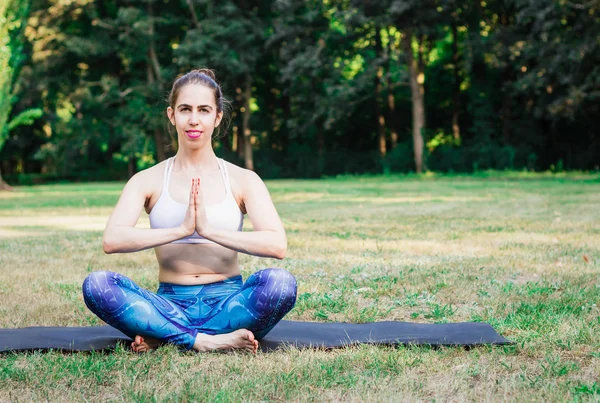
(317, 86)
(12, 16)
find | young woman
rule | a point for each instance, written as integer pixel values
(196, 203)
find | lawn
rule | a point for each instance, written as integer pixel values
(519, 252)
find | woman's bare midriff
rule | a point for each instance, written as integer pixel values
(193, 264)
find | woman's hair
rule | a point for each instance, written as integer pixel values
(207, 78)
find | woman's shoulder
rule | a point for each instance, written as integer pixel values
(149, 176)
(239, 174)
(243, 183)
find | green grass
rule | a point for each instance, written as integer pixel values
(517, 250)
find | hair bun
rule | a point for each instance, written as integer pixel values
(206, 72)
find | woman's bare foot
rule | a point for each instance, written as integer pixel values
(240, 339)
(143, 345)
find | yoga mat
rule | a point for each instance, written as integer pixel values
(298, 334)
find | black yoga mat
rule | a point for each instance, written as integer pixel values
(298, 334)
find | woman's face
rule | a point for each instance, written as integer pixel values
(195, 115)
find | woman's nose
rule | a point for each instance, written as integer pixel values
(194, 117)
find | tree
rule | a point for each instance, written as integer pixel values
(12, 16)
(416, 80)
(415, 19)
(371, 20)
(229, 37)
(105, 66)
(558, 76)
(306, 48)
(318, 87)
(454, 22)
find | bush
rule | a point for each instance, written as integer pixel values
(84, 176)
(480, 156)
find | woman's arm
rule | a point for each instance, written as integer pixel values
(120, 234)
(268, 238)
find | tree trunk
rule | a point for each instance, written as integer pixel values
(248, 158)
(392, 115)
(160, 145)
(318, 122)
(507, 78)
(238, 136)
(421, 72)
(159, 140)
(153, 58)
(3, 184)
(417, 96)
(320, 139)
(154, 79)
(193, 13)
(378, 91)
(235, 139)
(456, 95)
(286, 107)
(390, 98)
(320, 146)
(131, 166)
(506, 116)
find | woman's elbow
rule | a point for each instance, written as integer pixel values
(108, 246)
(280, 254)
(280, 251)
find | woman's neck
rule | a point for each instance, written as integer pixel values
(203, 159)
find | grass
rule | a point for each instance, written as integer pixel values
(521, 252)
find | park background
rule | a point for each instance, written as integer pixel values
(317, 87)
(333, 102)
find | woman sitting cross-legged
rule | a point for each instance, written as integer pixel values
(196, 203)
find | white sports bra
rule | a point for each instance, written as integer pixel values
(168, 213)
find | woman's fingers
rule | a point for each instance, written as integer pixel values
(192, 193)
(189, 221)
(201, 220)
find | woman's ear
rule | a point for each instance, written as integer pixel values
(171, 115)
(218, 119)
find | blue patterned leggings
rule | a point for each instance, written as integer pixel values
(177, 313)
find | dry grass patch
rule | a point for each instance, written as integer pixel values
(429, 250)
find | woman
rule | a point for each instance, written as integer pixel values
(196, 204)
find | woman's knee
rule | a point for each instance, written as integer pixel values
(283, 281)
(98, 278)
(96, 284)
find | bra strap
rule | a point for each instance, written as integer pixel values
(225, 175)
(168, 169)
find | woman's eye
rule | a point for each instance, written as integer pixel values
(204, 110)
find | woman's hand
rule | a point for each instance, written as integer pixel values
(189, 222)
(200, 213)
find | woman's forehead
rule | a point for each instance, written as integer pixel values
(196, 94)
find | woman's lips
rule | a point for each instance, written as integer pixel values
(193, 134)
